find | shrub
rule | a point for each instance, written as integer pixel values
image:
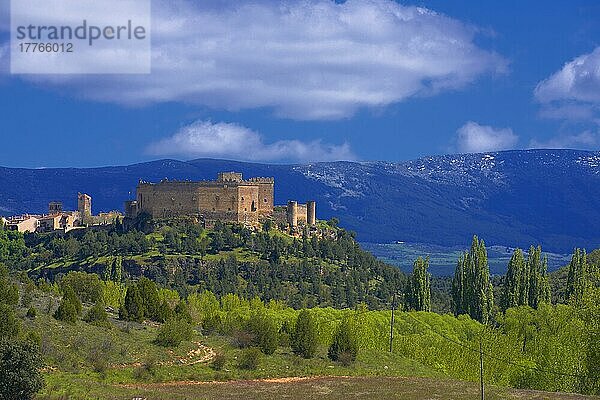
(219, 361)
(69, 307)
(250, 359)
(243, 339)
(147, 370)
(173, 332)
(304, 336)
(182, 312)
(96, 314)
(10, 325)
(264, 331)
(86, 286)
(344, 347)
(212, 324)
(31, 312)
(20, 364)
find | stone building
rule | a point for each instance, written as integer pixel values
(230, 198)
(22, 223)
(84, 205)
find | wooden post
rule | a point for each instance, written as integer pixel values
(392, 323)
(481, 367)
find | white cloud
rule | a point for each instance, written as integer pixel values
(578, 80)
(475, 138)
(584, 141)
(233, 141)
(314, 59)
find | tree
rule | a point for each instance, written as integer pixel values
(513, 281)
(133, 306)
(345, 343)
(69, 308)
(578, 278)
(304, 336)
(265, 334)
(10, 325)
(472, 291)
(150, 300)
(526, 281)
(9, 292)
(418, 288)
(539, 287)
(20, 364)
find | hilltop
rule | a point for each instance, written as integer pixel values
(550, 197)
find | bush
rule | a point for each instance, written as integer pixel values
(211, 324)
(31, 312)
(10, 325)
(69, 307)
(20, 364)
(264, 331)
(304, 336)
(344, 347)
(243, 339)
(250, 359)
(86, 286)
(219, 361)
(173, 332)
(147, 370)
(96, 315)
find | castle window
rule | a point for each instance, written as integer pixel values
(265, 199)
(253, 206)
(242, 199)
(245, 209)
(229, 209)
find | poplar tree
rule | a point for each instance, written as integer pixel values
(511, 292)
(526, 281)
(578, 278)
(418, 288)
(472, 291)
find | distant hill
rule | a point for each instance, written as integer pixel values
(514, 198)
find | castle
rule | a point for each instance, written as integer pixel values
(230, 198)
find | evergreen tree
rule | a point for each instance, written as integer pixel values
(133, 306)
(304, 336)
(418, 288)
(69, 308)
(472, 291)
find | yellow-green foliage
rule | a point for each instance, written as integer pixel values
(113, 294)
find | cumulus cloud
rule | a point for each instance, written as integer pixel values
(314, 59)
(475, 138)
(573, 93)
(583, 141)
(578, 80)
(233, 141)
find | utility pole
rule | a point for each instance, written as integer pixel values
(481, 367)
(392, 322)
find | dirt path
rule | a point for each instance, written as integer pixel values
(198, 355)
(291, 379)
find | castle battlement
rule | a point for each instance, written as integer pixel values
(228, 198)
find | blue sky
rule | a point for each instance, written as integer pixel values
(317, 80)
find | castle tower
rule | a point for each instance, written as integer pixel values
(311, 213)
(55, 207)
(292, 213)
(84, 204)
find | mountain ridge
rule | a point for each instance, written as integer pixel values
(517, 198)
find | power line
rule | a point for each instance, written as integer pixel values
(492, 356)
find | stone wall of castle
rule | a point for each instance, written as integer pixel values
(227, 199)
